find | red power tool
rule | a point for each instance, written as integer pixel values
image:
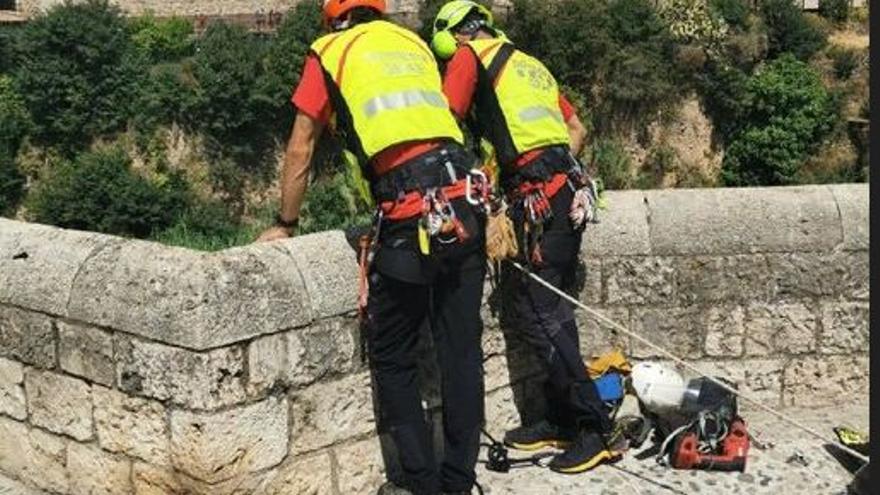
(686, 452)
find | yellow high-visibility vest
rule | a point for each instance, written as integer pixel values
(521, 112)
(385, 88)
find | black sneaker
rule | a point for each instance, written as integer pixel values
(391, 488)
(586, 452)
(537, 436)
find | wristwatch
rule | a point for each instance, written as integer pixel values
(280, 222)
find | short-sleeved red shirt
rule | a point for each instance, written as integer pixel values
(312, 98)
(460, 83)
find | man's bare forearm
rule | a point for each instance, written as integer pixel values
(297, 158)
(577, 134)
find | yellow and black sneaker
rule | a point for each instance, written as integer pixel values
(538, 436)
(586, 452)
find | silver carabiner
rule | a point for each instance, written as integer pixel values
(469, 186)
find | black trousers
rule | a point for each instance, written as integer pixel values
(446, 288)
(547, 322)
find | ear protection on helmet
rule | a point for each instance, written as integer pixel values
(444, 44)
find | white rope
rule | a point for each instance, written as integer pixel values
(684, 364)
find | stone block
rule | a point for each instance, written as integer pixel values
(327, 413)
(844, 327)
(196, 380)
(622, 229)
(680, 330)
(303, 476)
(853, 202)
(779, 328)
(635, 281)
(702, 279)
(12, 400)
(825, 380)
(742, 220)
(328, 264)
(808, 275)
(95, 472)
(38, 263)
(590, 273)
(214, 447)
(152, 480)
(302, 356)
(760, 379)
(33, 456)
(59, 403)
(187, 298)
(725, 331)
(87, 352)
(131, 425)
(361, 466)
(27, 337)
(598, 336)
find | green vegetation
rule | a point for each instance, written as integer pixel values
(141, 127)
(788, 114)
(99, 191)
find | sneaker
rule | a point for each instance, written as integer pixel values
(537, 436)
(586, 452)
(391, 488)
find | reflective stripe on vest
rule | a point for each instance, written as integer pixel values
(390, 85)
(528, 97)
(401, 99)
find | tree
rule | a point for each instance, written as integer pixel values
(80, 74)
(787, 115)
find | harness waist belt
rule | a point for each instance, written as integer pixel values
(440, 167)
(553, 160)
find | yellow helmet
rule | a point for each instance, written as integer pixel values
(450, 15)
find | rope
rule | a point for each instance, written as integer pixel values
(690, 367)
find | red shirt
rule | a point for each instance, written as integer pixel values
(460, 83)
(311, 98)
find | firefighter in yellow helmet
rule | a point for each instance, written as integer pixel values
(510, 99)
(378, 86)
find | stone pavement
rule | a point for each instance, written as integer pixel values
(767, 472)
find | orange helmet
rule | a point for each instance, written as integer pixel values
(337, 8)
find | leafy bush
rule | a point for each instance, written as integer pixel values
(9, 35)
(207, 226)
(332, 203)
(11, 184)
(693, 21)
(845, 60)
(788, 114)
(98, 191)
(734, 12)
(227, 67)
(162, 40)
(834, 10)
(80, 73)
(612, 164)
(15, 121)
(788, 30)
(169, 96)
(725, 96)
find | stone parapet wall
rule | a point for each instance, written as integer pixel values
(131, 367)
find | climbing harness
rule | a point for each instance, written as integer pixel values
(602, 318)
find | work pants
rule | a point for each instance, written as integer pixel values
(444, 288)
(547, 321)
